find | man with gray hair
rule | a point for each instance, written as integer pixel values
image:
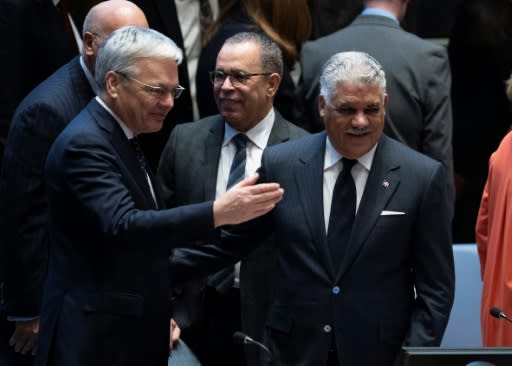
(419, 113)
(365, 262)
(106, 300)
(37, 122)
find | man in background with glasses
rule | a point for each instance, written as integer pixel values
(200, 161)
(106, 300)
(38, 120)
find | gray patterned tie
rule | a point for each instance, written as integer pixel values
(224, 279)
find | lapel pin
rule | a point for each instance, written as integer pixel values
(385, 183)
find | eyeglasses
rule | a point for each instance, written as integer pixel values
(237, 78)
(155, 91)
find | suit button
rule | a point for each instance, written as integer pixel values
(327, 328)
(335, 290)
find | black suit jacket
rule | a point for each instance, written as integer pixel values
(38, 120)
(106, 300)
(419, 112)
(162, 16)
(400, 244)
(34, 45)
(188, 174)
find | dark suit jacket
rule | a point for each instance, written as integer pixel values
(188, 174)
(368, 303)
(238, 22)
(34, 45)
(162, 16)
(418, 83)
(38, 120)
(106, 300)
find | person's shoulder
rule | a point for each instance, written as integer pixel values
(202, 125)
(405, 155)
(297, 146)
(291, 128)
(51, 91)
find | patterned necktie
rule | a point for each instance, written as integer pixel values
(343, 210)
(143, 165)
(224, 279)
(237, 171)
(139, 154)
(205, 18)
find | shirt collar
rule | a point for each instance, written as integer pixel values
(380, 12)
(128, 133)
(258, 135)
(332, 156)
(89, 76)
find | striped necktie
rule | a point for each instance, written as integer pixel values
(224, 279)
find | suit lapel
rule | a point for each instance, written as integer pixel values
(210, 157)
(280, 132)
(309, 180)
(125, 151)
(382, 182)
(81, 85)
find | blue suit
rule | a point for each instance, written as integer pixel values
(106, 300)
(400, 241)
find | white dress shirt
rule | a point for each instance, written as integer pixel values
(333, 166)
(258, 139)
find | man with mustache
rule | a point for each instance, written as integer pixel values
(365, 262)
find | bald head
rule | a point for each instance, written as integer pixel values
(103, 19)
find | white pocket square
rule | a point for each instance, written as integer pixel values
(390, 213)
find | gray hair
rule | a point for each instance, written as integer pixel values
(271, 57)
(127, 44)
(351, 67)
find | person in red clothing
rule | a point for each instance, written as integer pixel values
(494, 240)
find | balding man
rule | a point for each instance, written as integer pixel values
(40, 117)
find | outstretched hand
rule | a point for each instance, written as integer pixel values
(246, 200)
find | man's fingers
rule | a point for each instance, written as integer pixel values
(248, 181)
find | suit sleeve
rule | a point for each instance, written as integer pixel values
(432, 266)
(109, 198)
(24, 212)
(190, 263)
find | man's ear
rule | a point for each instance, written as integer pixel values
(88, 47)
(321, 105)
(274, 80)
(112, 83)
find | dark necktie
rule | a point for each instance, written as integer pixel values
(142, 161)
(63, 8)
(205, 18)
(224, 279)
(343, 210)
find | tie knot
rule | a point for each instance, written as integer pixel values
(240, 141)
(348, 164)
